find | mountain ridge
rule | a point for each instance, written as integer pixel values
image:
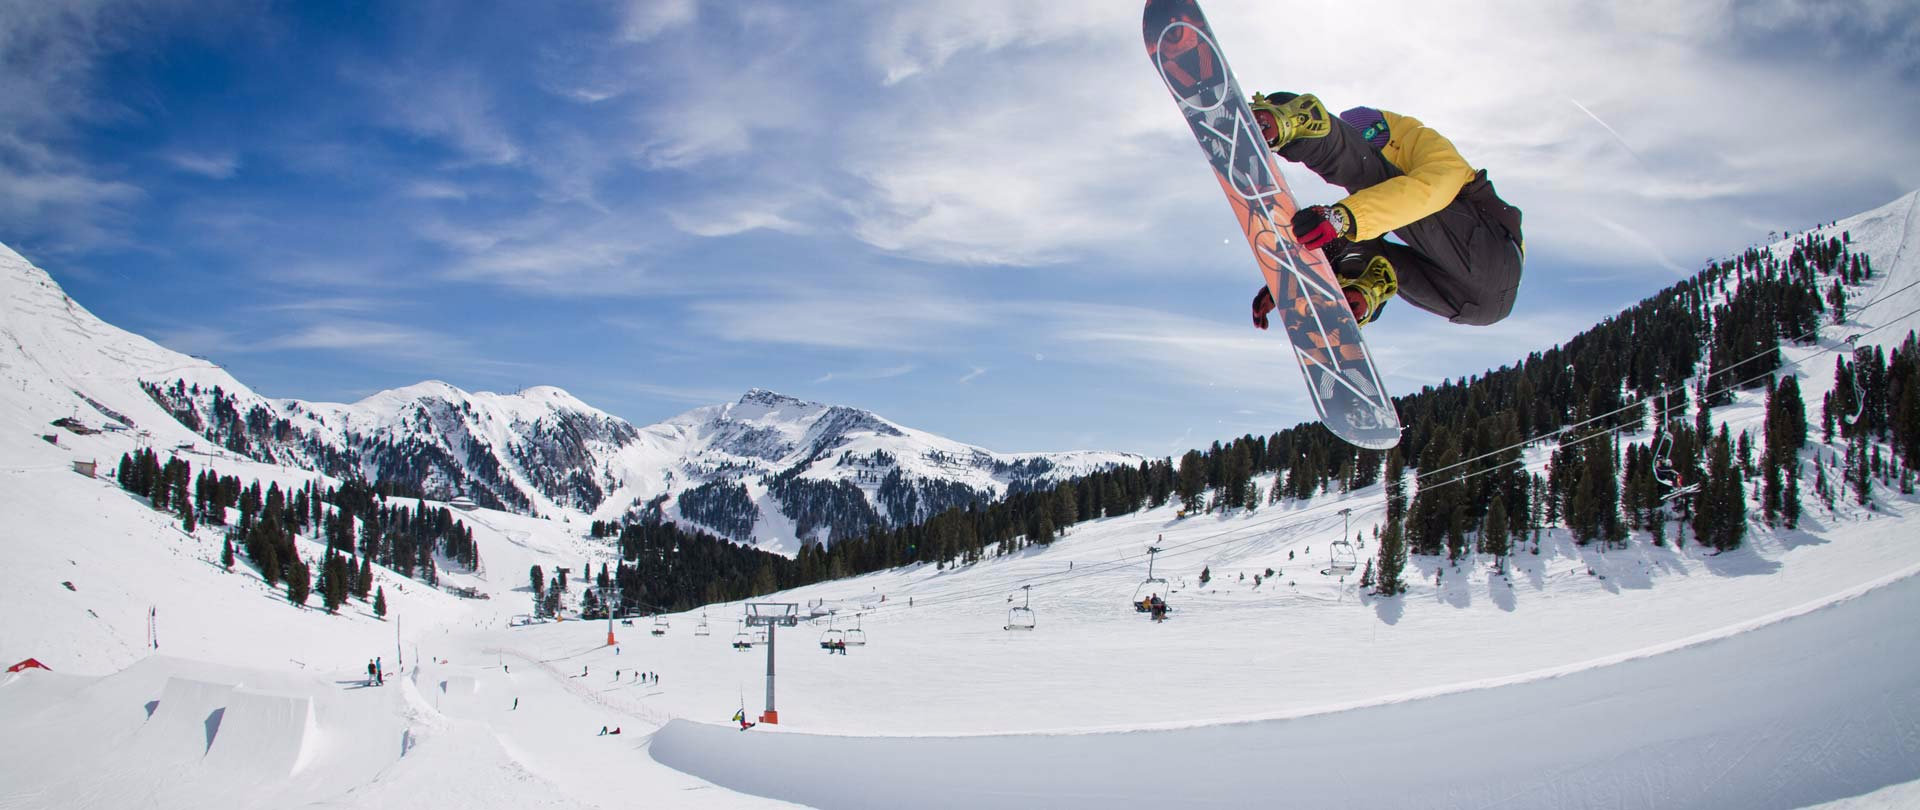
(539, 451)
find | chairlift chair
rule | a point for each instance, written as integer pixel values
(1151, 586)
(1021, 618)
(660, 624)
(1664, 472)
(855, 636)
(741, 640)
(833, 637)
(1342, 559)
(701, 628)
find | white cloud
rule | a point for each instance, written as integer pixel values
(217, 166)
(867, 374)
(435, 190)
(897, 316)
(359, 335)
(646, 19)
(728, 214)
(451, 104)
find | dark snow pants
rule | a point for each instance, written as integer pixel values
(1461, 262)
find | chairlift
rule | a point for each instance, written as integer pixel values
(741, 640)
(1342, 559)
(701, 628)
(1021, 618)
(856, 637)
(1150, 587)
(833, 638)
(1664, 471)
(660, 624)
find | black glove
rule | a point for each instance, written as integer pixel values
(1262, 304)
(1317, 226)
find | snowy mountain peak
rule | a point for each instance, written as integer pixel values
(742, 469)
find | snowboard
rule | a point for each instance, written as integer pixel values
(1341, 377)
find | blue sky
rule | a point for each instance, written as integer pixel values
(984, 219)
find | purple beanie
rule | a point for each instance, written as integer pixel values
(1369, 123)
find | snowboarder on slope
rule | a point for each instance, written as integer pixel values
(1463, 248)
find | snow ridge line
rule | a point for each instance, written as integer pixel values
(580, 690)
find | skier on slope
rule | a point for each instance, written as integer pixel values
(1463, 248)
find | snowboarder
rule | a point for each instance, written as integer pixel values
(516, 704)
(370, 672)
(379, 672)
(1464, 249)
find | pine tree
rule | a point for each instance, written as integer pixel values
(1790, 506)
(380, 602)
(1720, 516)
(1065, 508)
(299, 581)
(1857, 473)
(365, 581)
(1393, 560)
(1493, 539)
(1191, 481)
(226, 553)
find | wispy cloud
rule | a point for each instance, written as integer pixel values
(362, 336)
(330, 304)
(892, 317)
(646, 19)
(868, 374)
(218, 166)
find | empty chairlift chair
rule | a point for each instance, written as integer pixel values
(1021, 617)
(856, 637)
(701, 628)
(1343, 558)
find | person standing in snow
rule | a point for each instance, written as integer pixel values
(370, 674)
(1463, 249)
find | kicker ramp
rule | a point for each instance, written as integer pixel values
(184, 723)
(265, 734)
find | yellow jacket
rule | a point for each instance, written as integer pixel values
(1435, 172)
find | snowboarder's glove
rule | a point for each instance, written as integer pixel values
(1262, 304)
(1317, 226)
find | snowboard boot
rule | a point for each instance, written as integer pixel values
(1286, 117)
(1368, 281)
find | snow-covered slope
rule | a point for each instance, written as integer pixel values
(1775, 675)
(540, 451)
